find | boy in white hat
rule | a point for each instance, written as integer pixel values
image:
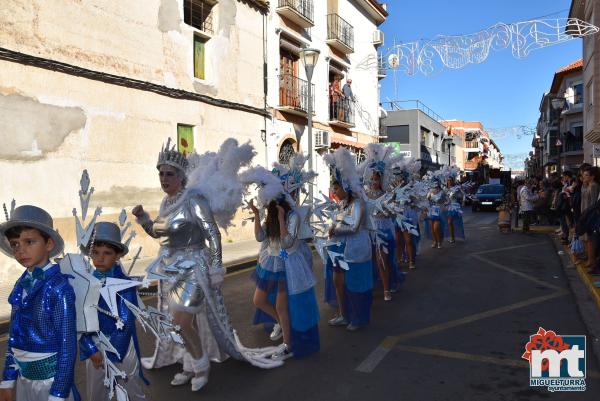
(42, 342)
(106, 251)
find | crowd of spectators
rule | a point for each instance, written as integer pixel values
(570, 201)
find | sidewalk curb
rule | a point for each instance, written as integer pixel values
(587, 304)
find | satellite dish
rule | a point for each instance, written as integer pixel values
(393, 60)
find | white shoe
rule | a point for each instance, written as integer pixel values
(181, 378)
(282, 353)
(199, 382)
(277, 333)
(201, 367)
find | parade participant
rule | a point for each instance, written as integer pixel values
(435, 217)
(407, 217)
(376, 172)
(285, 282)
(42, 339)
(349, 274)
(456, 196)
(191, 273)
(106, 251)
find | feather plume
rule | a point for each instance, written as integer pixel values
(214, 175)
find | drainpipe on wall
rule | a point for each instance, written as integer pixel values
(265, 88)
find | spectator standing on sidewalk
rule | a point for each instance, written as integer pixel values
(563, 206)
(589, 196)
(527, 199)
(517, 203)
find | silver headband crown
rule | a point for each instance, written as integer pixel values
(170, 156)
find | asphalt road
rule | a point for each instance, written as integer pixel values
(455, 331)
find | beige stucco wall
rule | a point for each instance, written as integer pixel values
(142, 39)
(54, 125)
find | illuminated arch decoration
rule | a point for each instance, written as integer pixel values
(455, 52)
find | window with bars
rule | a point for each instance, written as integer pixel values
(198, 13)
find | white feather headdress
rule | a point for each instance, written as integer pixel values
(214, 175)
(281, 182)
(380, 159)
(343, 168)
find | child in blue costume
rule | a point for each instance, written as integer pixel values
(106, 251)
(42, 341)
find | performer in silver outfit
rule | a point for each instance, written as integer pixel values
(189, 265)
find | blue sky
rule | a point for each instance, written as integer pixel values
(501, 92)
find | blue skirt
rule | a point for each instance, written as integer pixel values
(457, 220)
(302, 308)
(396, 277)
(442, 218)
(358, 282)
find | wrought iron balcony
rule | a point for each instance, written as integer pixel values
(472, 144)
(293, 94)
(341, 112)
(299, 11)
(573, 146)
(340, 34)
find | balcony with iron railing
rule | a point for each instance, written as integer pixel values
(293, 94)
(573, 146)
(341, 112)
(472, 146)
(381, 67)
(340, 34)
(300, 12)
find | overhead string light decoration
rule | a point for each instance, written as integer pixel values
(455, 52)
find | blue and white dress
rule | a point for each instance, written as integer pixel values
(352, 241)
(384, 228)
(408, 216)
(454, 211)
(286, 265)
(436, 212)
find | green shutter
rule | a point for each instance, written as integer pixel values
(198, 58)
(185, 139)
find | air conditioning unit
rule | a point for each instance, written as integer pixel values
(378, 38)
(322, 139)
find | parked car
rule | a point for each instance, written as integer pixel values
(488, 196)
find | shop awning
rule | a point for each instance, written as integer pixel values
(345, 142)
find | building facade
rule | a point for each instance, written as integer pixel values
(478, 150)
(589, 11)
(560, 143)
(418, 134)
(105, 93)
(347, 36)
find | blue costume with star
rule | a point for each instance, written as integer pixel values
(119, 338)
(43, 321)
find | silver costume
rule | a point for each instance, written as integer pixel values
(190, 265)
(94, 379)
(351, 228)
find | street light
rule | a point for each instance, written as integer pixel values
(309, 58)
